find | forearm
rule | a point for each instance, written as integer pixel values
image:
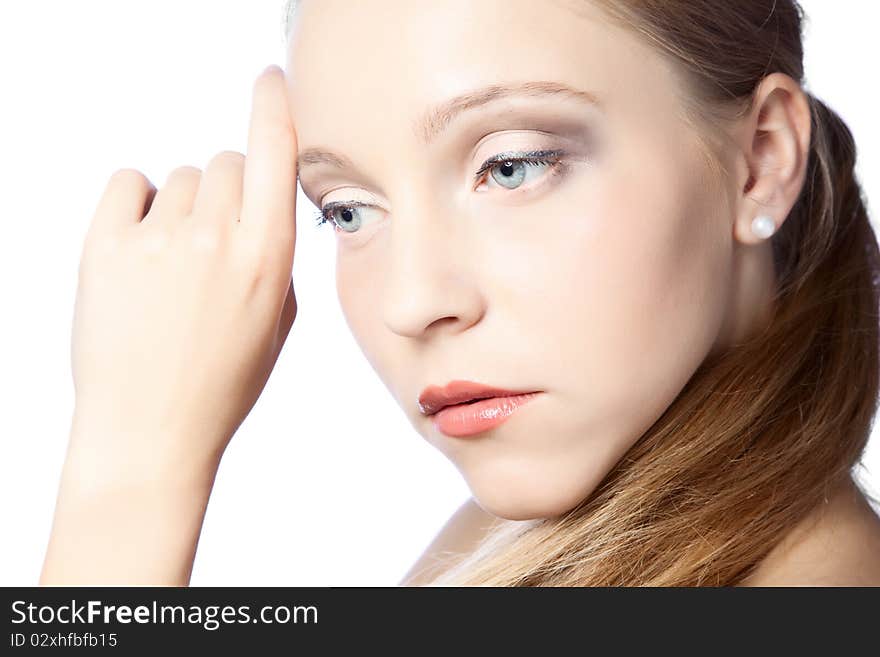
(125, 519)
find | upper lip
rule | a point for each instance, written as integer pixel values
(434, 398)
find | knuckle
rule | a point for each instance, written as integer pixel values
(185, 172)
(129, 176)
(249, 255)
(260, 261)
(155, 240)
(206, 237)
(227, 159)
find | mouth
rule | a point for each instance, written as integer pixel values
(468, 402)
(433, 399)
(478, 416)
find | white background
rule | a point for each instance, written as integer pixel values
(326, 482)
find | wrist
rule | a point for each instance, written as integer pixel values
(102, 453)
(125, 518)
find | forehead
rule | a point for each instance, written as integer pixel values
(356, 66)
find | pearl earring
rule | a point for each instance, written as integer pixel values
(763, 226)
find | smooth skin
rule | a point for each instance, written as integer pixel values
(179, 319)
(554, 287)
(604, 287)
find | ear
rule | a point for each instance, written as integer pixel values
(775, 144)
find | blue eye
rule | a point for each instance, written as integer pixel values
(508, 170)
(349, 215)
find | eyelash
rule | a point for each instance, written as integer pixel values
(554, 158)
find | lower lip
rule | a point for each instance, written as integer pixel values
(469, 419)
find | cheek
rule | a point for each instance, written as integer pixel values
(638, 296)
(361, 289)
(358, 299)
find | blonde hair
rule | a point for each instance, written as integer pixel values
(762, 432)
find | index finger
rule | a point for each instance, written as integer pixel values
(269, 184)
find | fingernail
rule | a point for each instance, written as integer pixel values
(271, 67)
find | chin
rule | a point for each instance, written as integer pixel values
(528, 493)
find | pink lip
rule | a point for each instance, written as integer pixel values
(434, 398)
(467, 419)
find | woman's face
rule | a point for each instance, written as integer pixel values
(599, 276)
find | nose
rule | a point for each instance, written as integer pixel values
(431, 282)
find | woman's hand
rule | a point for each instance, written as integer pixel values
(181, 314)
(179, 319)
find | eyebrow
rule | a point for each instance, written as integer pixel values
(438, 118)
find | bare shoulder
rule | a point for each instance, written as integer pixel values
(860, 535)
(839, 546)
(457, 538)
